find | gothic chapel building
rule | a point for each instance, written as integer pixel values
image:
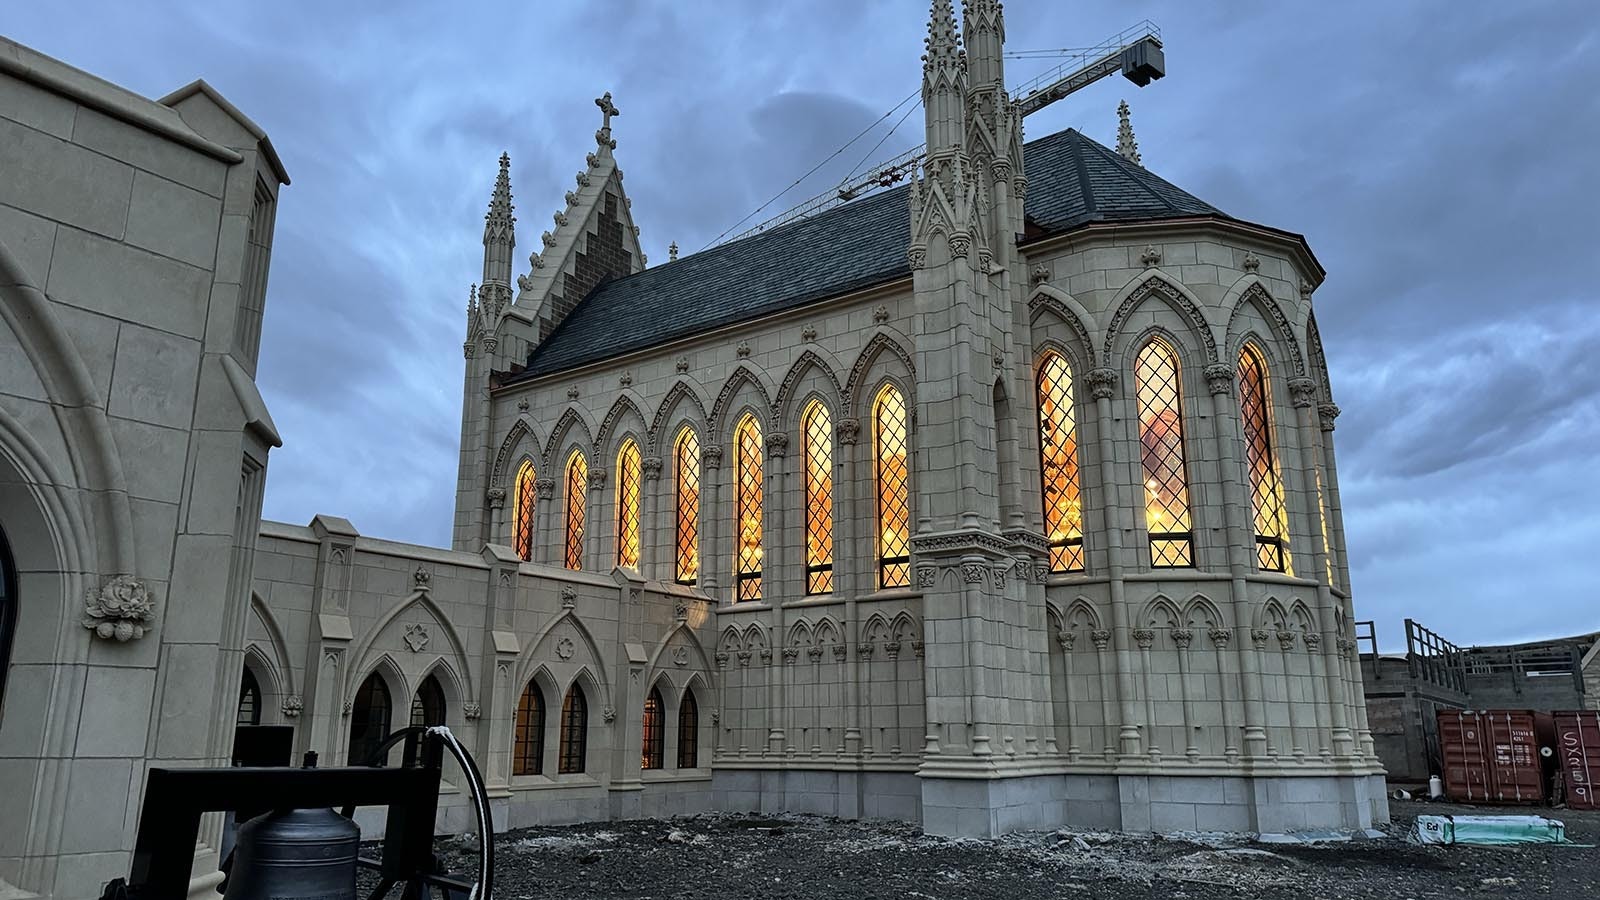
(1003, 499)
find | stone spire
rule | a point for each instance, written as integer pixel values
(993, 126)
(983, 32)
(499, 238)
(1126, 145)
(944, 80)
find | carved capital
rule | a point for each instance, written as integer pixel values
(496, 497)
(1219, 378)
(1144, 637)
(471, 711)
(1101, 638)
(790, 654)
(597, 478)
(1327, 412)
(960, 243)
(1312, 640)
(722, 660)
(972, 573)
(1182, 637)
(545, 488)
(490, 343)
(1303, 391)
(927, 577)
(1219, 637)
(1286, 640)
(292, 706)
(777, 444)
(917, 256)
(1102, 383)
(121, 610)
(652, 468)
(1066, 639)
(848, 430)
(815, 653)
(711, 456)
(1258, 636)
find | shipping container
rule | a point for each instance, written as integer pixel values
(1491, 756)
(1578, 756)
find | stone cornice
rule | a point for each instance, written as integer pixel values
(1264, 236)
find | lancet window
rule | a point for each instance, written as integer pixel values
(655, 732)
(686, 465)
(892, 469)
(528, 752)
(1270, 518)
(574, 732)
(249, 712)
(577, 503)
(1166, 484)
(748, 507)
(369, 720)
(427, 707)
(522, 518)
(628, 477)
(688, 732)
(1058, 452)
(817, 439)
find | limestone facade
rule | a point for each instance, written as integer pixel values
(134, 239)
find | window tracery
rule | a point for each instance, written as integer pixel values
(817, 439)
(1268, 513)
(1166, 485)
(1058, 451)
(892, 472)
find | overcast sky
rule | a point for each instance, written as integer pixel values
(1440, 157)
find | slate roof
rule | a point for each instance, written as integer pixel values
(1072, 181)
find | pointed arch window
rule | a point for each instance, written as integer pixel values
(427, 707)
(655, 732)
(1322, 517)
(748, 507)
(688, 732)
(1261, 461)
(1166, 482)
(817, 448)
(1058, 454)
(628, 478)
(686, 466)
(522, 521)
(892, 469)
(369, 719)
(577, 504)
(249, 712)
(528, 752)
(574, 731)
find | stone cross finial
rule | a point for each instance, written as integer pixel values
(607, 110)
(672, 252)
(1127, 147)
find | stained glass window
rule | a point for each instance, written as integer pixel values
(249, 712)
(522, 522)
(688, 732)
(628, 477)
(427, 707)
(577, 502)
(1166, 485)
(655, 732)
(687, 465)
(1261, 460)
(894, 490)
(748, 507)
(528, 754)
(817, 432)
(574, 731)
(369, 720)
(1058, 452)
(1322, 515)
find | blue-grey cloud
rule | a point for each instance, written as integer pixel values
(1439, 158)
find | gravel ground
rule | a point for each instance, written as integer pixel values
(715, 857)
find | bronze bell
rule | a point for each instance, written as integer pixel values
(296, 853)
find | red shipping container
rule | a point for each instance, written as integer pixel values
(1491, 756)
(1578, 755)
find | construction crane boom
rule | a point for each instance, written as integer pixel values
(1135, 53)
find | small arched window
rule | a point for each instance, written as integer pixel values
(574, 731)
(427, 707)
(817, 449)
(628, 478)
(522, 521)
(577, 504)
(748, 507)
(688, 732)
(1261, 463)
(1058, 454)
(249, 712)
(655, 728)
(892, 469)
(528, 752)
(369, 719)
(1166, 481)
(686, 466)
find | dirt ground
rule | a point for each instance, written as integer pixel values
(717, 857)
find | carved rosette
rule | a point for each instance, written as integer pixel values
(1286, 640)
(1102, 383)
(121, 610)
(1144, 637)
(1182, 637)
(1219, 378)
(420, 579)
(1258, 636)
(292, 706)
(416, 637)
(777, 444)
(545, 488)
(1220, 637)
(1327, 412)
(1303, 391)
(652, 468)
(565, 648)
(848, 430)
(1101, 638)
